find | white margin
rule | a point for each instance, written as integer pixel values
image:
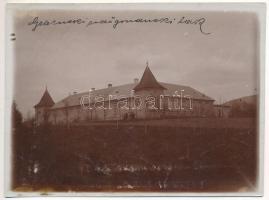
(3, 86)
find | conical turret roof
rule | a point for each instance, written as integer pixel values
(148, 81)
(46, 100)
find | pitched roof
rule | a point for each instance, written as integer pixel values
(148, 81)
(126, 90)
(252, 99)
(46, 100)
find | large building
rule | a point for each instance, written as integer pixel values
(144, 99)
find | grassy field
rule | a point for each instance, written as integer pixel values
(201, 155)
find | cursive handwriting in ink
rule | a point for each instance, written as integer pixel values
(199, 21)
(38, 23)
(141, 20)
(116, 22)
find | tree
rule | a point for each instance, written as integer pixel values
(16, 116)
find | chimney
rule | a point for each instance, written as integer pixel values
(136, 80)
(109, 85)
(92, 89)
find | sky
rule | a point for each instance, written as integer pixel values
(68, 58)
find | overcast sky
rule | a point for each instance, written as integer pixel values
(68, 58)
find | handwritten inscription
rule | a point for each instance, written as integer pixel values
(36, 22)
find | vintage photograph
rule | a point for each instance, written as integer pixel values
(129, 98)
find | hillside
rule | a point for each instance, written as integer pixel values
(137, 158)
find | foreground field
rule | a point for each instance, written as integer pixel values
(138, 156)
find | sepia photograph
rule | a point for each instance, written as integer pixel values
(144, 99)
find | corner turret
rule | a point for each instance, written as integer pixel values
(42, 108)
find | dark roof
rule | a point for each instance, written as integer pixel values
(148, 81)
(46, 100)
(126, 90)
(246, 99)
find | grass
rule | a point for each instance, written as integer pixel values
(138, 157)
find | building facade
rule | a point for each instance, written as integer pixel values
(144, 99)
